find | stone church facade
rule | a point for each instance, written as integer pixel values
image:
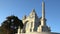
(35, 25)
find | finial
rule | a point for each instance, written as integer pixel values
(33, 10)
(43, 9)
(24, 17)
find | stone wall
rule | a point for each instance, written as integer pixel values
(40, 33)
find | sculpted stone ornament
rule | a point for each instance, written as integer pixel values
(35, 25)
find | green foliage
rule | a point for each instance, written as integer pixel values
(2, 31)
(10, 25)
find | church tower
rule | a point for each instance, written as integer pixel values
(33, 24)
(43, 19)
(43, 27)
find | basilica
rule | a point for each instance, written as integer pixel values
(35, 25)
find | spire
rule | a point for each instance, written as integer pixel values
(43, 20)
(33, 12)
(24, 17)
(43, 9)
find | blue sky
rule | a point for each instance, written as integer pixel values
(21, 7)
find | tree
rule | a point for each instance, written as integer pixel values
(10, 25)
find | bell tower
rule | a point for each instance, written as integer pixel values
(43, 27)
(43, 19)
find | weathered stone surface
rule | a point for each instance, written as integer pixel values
(40, 33)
